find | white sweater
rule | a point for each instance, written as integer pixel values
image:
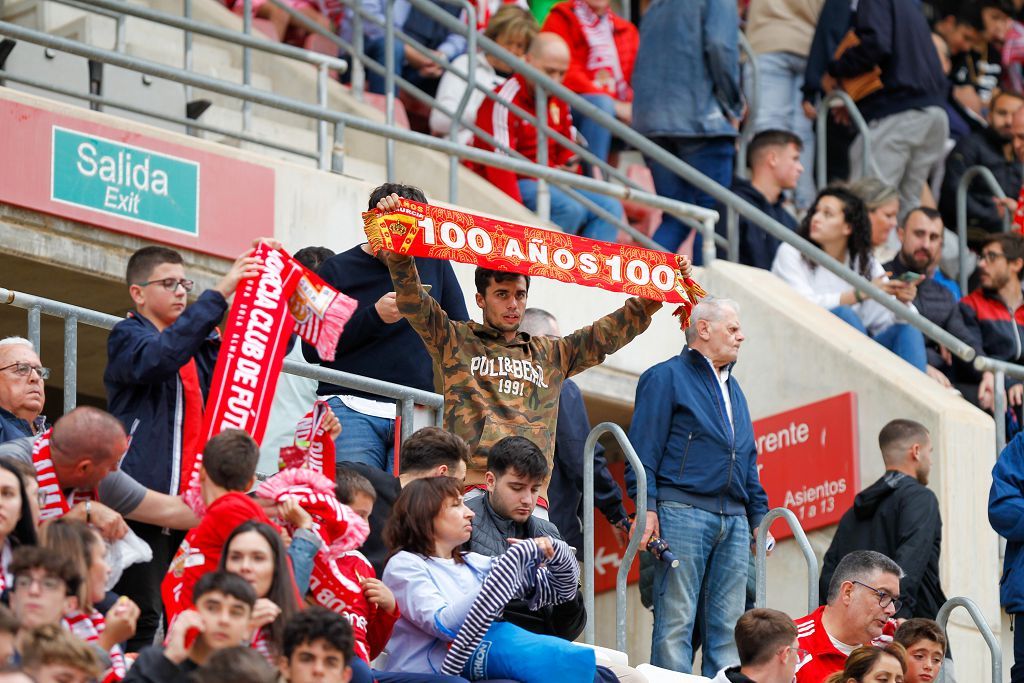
(449, 94)
(821, 286)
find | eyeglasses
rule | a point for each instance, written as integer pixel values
(25, 369)
(884, 599)
(170, 284)
(801, 654)
(990, 256)
(50, 584)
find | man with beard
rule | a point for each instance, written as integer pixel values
(990, 147)
(897, 516)
(921, 236)
(993, 314)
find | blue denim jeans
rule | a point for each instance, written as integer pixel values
(599, 138)
(780, 107)
(374, 49)
(364, 438)
(711, 156)
(571, 216)
(713, 552)
(905, 341)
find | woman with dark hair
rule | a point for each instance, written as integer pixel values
(448, 598)
(839, 225)
(255, 551)
(873, 664)
(17, 526)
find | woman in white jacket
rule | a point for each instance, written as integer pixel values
(838, 224)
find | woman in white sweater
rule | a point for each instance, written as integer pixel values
(838, 224)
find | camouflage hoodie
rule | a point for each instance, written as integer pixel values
(495, 388)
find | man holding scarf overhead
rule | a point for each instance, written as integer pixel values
(498, 381)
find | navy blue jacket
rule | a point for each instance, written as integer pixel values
(895, 37)
(565, 491)
(1006, 515)
(757, 247)
(681, 433)
(12, 427)
(145, 392)
(369, 346)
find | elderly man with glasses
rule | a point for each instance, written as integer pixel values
(21, 389)
(863, 597)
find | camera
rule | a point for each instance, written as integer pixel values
(656, 546)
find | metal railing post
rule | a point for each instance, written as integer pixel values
(732, 234)
(389, 85)
(761, 557)
(34, 326)
(995, 651)
(246, 64)
(999, 408)
(120, 39)
(747, 130)
(543, 193)
(708, 251)
(868, 167)
(70, 363)
(338, 148)
(322, 150)
(961, 214)
(186, 12)
(358, 70)
(588, 531)
(456, 121)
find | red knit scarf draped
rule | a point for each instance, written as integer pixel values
(53, 502)
(603, 63)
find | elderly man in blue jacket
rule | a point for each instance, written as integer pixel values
(692, 431)
(1006, 515)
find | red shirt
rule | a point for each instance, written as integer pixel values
(825, 659)
(512, 131)
(201, 550)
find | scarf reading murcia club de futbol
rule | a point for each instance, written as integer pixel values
(434, 232)
(53, 503)
(285, 296)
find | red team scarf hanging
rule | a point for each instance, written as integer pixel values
(284, 297)
(1018, 215)
(52, 501)
(313, 448)
(416, 229)
(88, 628)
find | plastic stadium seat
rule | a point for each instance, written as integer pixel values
(266, 27)
(378, 102)
(607, 654)
(157, 94)
(41, 64)
(656, 674)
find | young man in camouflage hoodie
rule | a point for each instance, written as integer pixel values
(497, 381)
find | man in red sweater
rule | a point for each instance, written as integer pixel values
(603, 49)
(863, 596)
(549, 54)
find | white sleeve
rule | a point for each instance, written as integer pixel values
(419, 599)
(791, 268)
(449, 92)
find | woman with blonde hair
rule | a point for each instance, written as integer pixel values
(873, 664)
(883, 204)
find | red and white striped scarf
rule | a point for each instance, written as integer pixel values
(88, 628)
(261, 644)
(53, 502)
(313, 448)
(603, 57)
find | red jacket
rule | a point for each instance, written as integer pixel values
(563, 21)
(512, 131)
(825, 659)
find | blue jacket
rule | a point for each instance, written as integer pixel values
(757, 247)
(682, 435)
(1006, 515)
(12, 427)
(687, 75)
(145, 393)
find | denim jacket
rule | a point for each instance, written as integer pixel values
(686, 82)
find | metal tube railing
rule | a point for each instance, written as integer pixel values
(246, 63)
(407, 397)
(761, 557)
(961, 214)
(868, 167)
(389, 85)
(1000, 371)
(632, 547)
(747, 129)
(453, 133)
(995, 651)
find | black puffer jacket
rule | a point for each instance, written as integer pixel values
(898, 517)
(981, 148)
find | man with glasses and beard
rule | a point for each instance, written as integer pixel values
(21, 389)
(863, 597)
(897, 516)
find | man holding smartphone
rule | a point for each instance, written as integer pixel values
(379, 343)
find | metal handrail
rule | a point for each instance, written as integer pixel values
(747, 129)
(868, 167)
(961, 213)
(407, 397)
(761, 557)
(1000, 370)
(995, 651)
(640, 525)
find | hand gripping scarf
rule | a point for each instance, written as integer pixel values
(313, 448)
(416, 229)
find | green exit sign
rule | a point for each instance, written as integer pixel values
(125, 181)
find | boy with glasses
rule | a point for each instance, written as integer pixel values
(863, 597)
(768, 649)
(21, 389)
(160, 362)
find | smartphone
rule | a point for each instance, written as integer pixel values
(427, 288)
(909, 276)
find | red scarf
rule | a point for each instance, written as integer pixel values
(192, 429)
(53, 502)
(285, 296)
(1018, 215)
(89, 628)
(313, 448)
(603, 64)
(260, 643)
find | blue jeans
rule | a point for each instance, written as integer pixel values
(711, 156)
(905, 341)
(713, 552)
(780, 107)
(374, 49)
(599, 138)
(571, 216)
(364, 438)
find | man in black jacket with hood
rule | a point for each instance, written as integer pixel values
(898, 516)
